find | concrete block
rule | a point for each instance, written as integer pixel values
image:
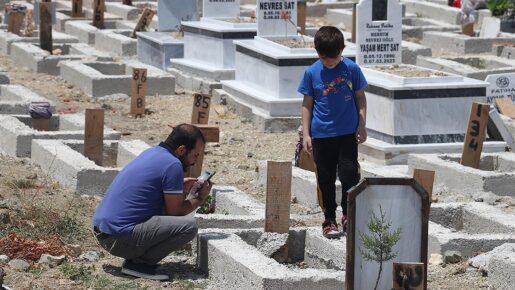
(15, 99)
(98, 79)
(410, 52)
(116, 41)
(438, 11)
(85, 31)
(414, 27)
(500, 127)
(193, 83)
(64, 161)
(323, 253)
(4, 77)
(30, 55)
(339, 17)
(233, 262)
(320, 9)
(496, 173)
(64, 12)
(18, 133)
(7, 39)
(501, 269)
(459, 43)
(125, 12)
(157, 48)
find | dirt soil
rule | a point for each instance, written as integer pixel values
(24, 187)
(239, 20)
(292, 43)
(408, 71)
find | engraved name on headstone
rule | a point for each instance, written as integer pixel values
(277, 18)
(221, 8)
(500, 86)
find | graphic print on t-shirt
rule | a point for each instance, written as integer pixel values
(333, 86)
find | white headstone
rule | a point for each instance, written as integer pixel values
(500, 86)
(277, 18)
(221, 8)
(170, 13)
(379, 38)
(490, 27)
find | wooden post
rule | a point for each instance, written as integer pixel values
(306, 161)
(138, 92)
(98, 13)
(506, 107)
(94, 135)
(41, 124)
(301, 15)
(200, 116)
(468, 29)
(144, 21)
(426, 178)
(353, 35)
(77, 8)
(45, 25)
(475, 135)
(408, 276)
(278, 197)
(14, 24)
(127, 2)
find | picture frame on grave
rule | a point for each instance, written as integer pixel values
(406, 205)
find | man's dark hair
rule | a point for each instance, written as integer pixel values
(184, 134)
(329, 41)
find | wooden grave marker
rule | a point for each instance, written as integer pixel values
(41, 124)
(94, 135)
(506, 107)
(15, 18)
(77, 8)
(400, 203)
(138, 92)
(408, 276)
(200, 116)
(426, 178)
(475, 135)
(45, 25)
(301, 15)
(144, 21)
(98, 13)
(353, 31)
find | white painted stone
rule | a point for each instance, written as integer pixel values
(277, 18)
(170, 13)
(391, 198)
(500, 86)
(490, 27)
(220, 8)
(378, 42)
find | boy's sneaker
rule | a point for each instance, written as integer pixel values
(141, 270)
(344, 224)
(330, 229)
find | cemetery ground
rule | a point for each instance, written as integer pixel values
(29, 197)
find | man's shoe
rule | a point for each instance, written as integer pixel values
(330, 229)
(141, 270)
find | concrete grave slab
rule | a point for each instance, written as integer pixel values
(232, 261)
(437, 11)
(98, 79)
(127, 12)
(414, 27)
(7, 39)
(64, 12)
(16, 99)
(321, 9)
(472, 66)
(504, 51)
(41, 61)
(501, 270)
(460, 43)
(4, 77)
(218, 62)
(496, 173)
(64, 161)
(18, 133)
(85, 31)
(157, 48)
(116, 42)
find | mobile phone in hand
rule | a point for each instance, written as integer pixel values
(206, 175)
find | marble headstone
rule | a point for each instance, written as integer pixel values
(500, 86)
(378, 42)
(490, 28)
(170, 13)
(220, 8)
(277, 18)
(401, 206)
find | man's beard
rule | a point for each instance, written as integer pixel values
(183, 160)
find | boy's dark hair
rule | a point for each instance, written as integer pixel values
(184, 134)
(329, 41)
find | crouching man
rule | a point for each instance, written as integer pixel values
(142, 217)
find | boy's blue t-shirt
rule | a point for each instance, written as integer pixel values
(136, 194)
(334, 105)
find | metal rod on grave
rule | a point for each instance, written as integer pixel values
(199, 116)
(94, 135)
(475, 135)
(98, 13)
(45, 25)
(77, 8)
(138, 92)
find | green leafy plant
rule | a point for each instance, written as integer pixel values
(378, 246)
(500, 7)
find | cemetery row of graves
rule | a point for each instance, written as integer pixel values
(438, 170)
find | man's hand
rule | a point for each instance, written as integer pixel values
(204, 191)
(188, 183)
(361, 134)
(306, 144)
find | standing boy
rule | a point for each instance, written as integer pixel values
(333, 119)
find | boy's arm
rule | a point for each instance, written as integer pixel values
(307, 109)
(361, 132)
